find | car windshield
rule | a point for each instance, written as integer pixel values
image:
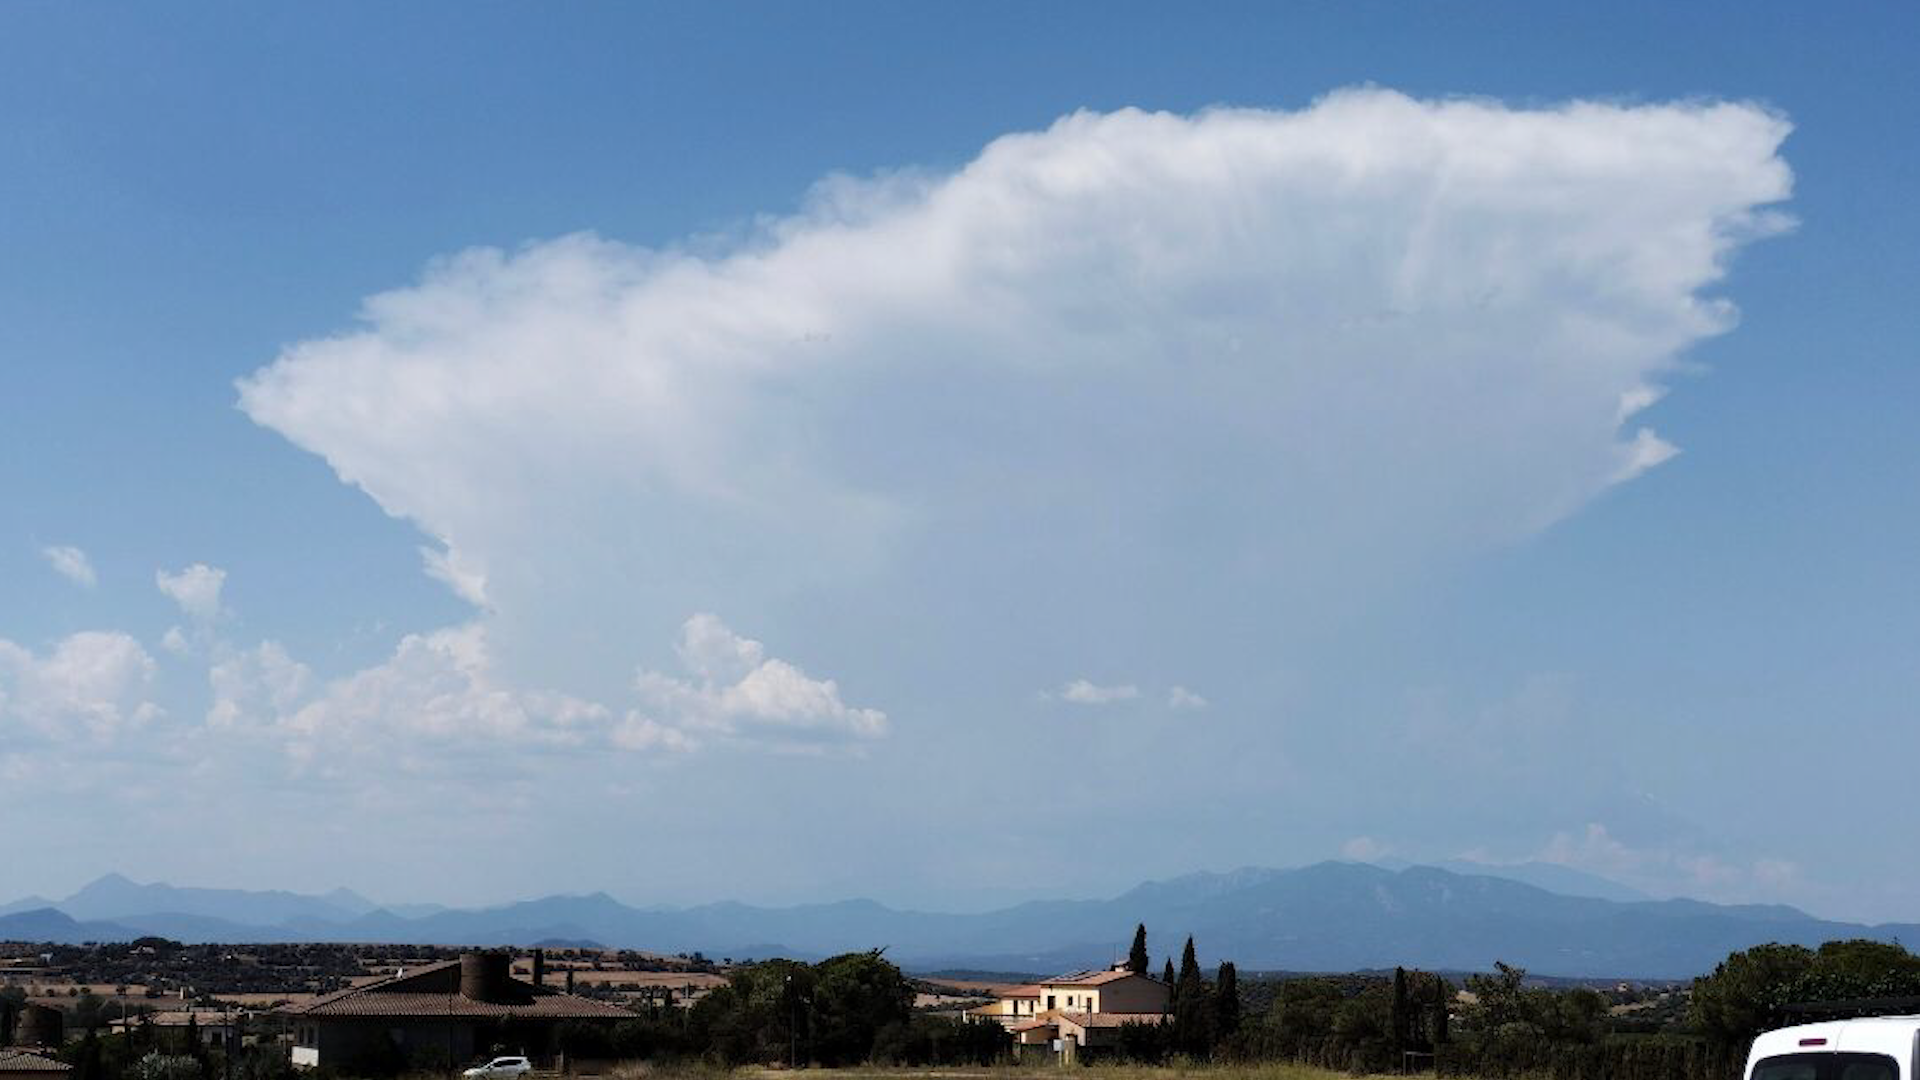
(1826, 1067)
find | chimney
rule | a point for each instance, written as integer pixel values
(539, 967)
(486, 976)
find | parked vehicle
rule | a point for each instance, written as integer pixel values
(1868, 1048)
(504, 1068)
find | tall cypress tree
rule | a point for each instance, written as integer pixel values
(1402, 1018)
(1137, 959)
(1442, 993)
(87, 1067)
(1226, 1001)
(1166, 973)
(1192, 1007)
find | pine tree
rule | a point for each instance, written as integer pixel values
(1226, 1001)
(1137, 960)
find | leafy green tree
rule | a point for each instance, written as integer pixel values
(938, 1040)
(1302, 1009)
(854, 996)
(1137, 959)
(831, 1013)
(159, 1066)
(1738, 1000)
(89, 1012)
(1859, 968)
(1499, 998)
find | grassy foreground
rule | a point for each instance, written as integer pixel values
(1269, 1071)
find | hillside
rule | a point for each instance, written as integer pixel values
(1327, 917)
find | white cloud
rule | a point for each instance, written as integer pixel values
(70, 563)
(1364, 849)
(92, 685)
(252, 684)
(1082, 692)
(196, 589)
(1669, 868)
(442, 695)
(1181, 698)
(439, 694)
(1336, 344)
(452, 569)
(738, 692)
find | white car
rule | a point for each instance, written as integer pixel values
(501, 1067)
(1870, 1048)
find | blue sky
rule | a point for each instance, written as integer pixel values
(903, 601)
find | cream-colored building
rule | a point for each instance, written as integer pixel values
(1115, 990)
(1009, 1007)
(1079, 1010)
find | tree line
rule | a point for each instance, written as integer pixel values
(858, 1008)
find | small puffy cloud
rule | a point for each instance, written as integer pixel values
(737, 692)
(439, 693)
(1180, 699)
(196, 589)
(260, 682)
(70, 563)
(714, 653)
(1364, 849)
(92, 685)
(1083, 692)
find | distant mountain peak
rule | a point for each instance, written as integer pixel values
(112, 879)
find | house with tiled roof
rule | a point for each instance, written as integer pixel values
(439, 1014)
(1078, 1010)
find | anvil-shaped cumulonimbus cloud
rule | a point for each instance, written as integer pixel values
(1372, 331)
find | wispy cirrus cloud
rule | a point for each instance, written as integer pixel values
(1085, 692)
(70, 563)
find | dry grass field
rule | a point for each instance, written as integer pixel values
(1006, 1072)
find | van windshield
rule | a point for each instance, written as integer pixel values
(1826, 1067)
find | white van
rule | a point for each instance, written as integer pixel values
(1869, 1048)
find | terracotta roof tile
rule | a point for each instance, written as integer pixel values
(394, 1003)
(1091, 978)
(18, 1061)
(431, 991)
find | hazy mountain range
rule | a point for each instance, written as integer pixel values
(1327, 917)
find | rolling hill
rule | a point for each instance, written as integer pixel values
(1331, 916)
